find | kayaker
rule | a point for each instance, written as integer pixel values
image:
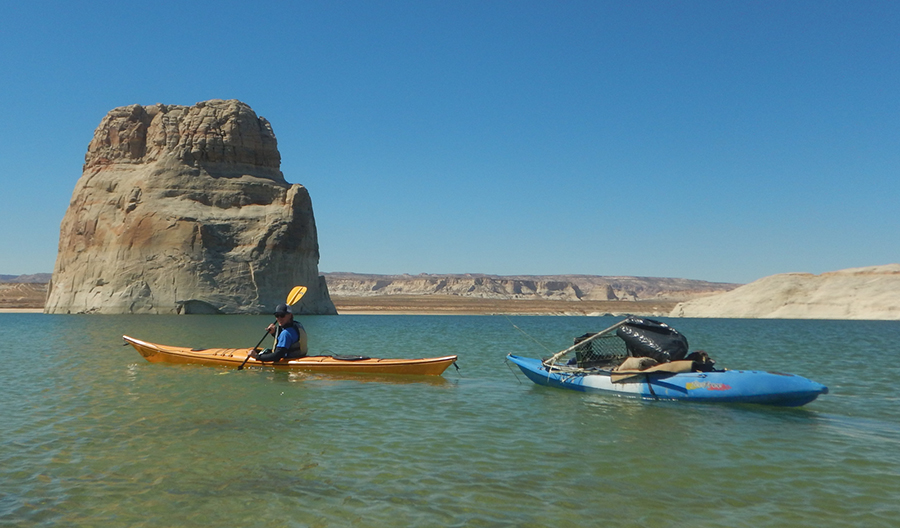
(290, 337)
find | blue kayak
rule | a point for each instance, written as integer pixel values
(726, 386)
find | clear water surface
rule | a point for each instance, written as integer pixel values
(93, 435)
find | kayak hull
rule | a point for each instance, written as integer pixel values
(234, 357)
(728, 386)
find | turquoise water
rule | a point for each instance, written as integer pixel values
(93, 435)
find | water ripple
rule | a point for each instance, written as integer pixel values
(95, 436)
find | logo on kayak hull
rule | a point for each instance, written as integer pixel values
(707, 385)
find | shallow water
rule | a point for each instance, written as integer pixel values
(93, 435)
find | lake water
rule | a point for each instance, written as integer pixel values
(93, 435)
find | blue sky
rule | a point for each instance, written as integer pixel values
(719, 140)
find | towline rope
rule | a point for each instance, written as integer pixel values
(526, 334)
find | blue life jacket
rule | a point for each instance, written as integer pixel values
(289, 338)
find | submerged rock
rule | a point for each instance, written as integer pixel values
(185, 210)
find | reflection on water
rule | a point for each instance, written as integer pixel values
(93, 435)
(390, 379)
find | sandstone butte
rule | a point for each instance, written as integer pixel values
(858, 293)
(184, 209)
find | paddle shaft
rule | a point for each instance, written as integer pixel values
(254, 348)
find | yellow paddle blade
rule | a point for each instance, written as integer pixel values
(296, 294)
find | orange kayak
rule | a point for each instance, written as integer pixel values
(234, 357)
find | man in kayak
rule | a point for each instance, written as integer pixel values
(290, 337)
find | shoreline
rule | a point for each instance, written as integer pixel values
(453, 305)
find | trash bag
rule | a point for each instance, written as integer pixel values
(649, 338)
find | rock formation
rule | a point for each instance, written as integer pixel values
(544, 287)
(185, 210)
(857, 293)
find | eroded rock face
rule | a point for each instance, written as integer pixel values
(185, 210)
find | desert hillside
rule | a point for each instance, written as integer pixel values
(467, 294)
(22, 295)
(858, 293)
(523, 287)
(36, 277)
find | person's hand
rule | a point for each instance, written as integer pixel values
(271, 329)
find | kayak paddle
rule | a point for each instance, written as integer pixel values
(292, 297)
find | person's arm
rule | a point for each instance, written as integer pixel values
(283, 343)
(271, 355)
(278, 351)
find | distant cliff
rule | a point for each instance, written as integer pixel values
(34, 278)
(22, 294)
(184, 209)
(856, 293)
(545, 287)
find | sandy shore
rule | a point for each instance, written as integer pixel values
(453, 305)
(21, 310)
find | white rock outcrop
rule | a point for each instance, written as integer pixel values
(185, 210)
(857, 293)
